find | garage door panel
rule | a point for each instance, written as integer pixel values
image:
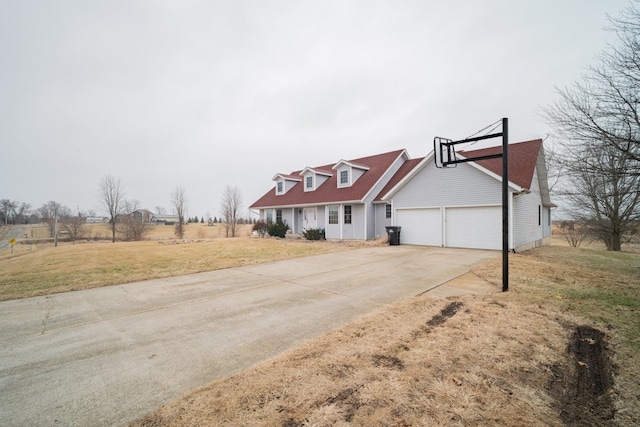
(420, 226)
(474, 227)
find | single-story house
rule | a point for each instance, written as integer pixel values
(336, 197)
(452, 207)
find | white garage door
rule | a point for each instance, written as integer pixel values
(477, 227)
(420, 226)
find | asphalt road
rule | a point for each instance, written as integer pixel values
(103, 357)
(8, 232)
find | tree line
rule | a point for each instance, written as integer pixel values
(125, 217)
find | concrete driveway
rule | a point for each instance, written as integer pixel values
(106, 356)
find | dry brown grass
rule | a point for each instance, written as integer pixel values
(34, 270)
(492, 360)
(395, 368)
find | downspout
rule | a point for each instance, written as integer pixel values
(366, 235)
(341, 220)
(511, 222)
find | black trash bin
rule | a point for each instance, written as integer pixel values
(394, 235)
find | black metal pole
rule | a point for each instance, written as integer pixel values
(505, 204)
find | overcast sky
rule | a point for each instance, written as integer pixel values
(205, 94)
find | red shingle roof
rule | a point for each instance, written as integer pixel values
(328, 191)
(522, 161)
(401, 173)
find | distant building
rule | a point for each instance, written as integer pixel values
(163, 219)
(142, 216)
(97, 220)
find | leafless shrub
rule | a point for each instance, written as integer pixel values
(575, 232)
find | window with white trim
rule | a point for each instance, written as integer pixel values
(387, 213)
(347, 214)
(280, 186)
(333, 214)
(344, 177)
(309, 182)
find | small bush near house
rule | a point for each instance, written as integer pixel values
(277, 229)
(313, 234)
(260, 227)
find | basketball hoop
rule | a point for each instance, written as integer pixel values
(444, 153)
(445, 156)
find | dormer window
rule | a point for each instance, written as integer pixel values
(348, 172)
(314, 178)
(285, 183)
(344, 177)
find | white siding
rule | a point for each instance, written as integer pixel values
(355, 230)
(460, 186)
(372, 227)
(322, 218)
(288, 218)
(381, 220)
(288, 184)
(527, 228)
(355, 174)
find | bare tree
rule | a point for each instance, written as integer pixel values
(74, 225)
(23, 212)
(7, 209)
(598, 127)
(111, 196)
(230, 209)
(603, 105)
(179, 202)
(49, 211)
(133, 223)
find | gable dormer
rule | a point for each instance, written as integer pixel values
(284, 183)
(314, 178)
(348, 173)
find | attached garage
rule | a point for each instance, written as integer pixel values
(478, 227)
(420, 226)
(461, 207)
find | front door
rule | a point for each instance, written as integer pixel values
(309, 218)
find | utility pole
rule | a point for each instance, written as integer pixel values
(55, 227)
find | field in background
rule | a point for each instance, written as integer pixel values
(96, 232)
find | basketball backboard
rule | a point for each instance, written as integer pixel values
(444, 152)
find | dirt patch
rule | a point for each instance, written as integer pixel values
(446, 313)
(390, 362)
(583, 386)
